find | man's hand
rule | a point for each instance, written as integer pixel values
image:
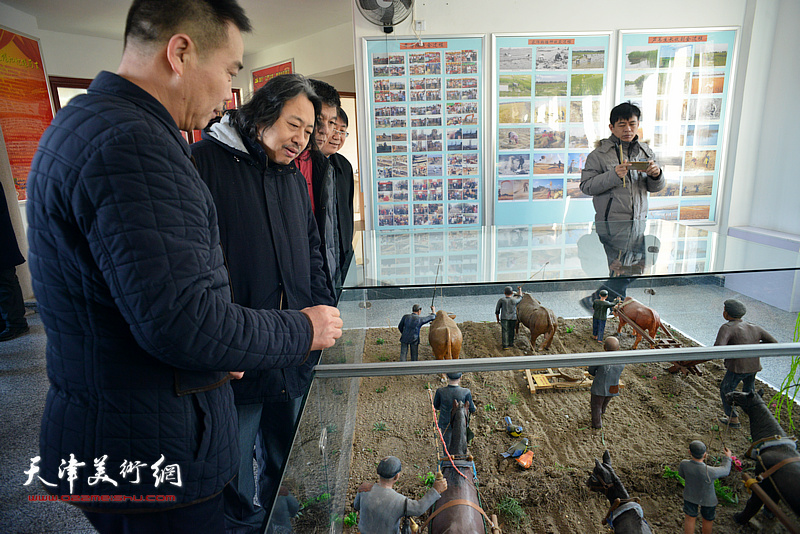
(498, 318)
(440, 485)
(327, 325)
(728, 452)
(236, 375)
(653, 170)
(433, 309)
(622, 169)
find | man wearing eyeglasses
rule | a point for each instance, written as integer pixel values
(345, 189)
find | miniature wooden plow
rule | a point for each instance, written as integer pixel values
(540, 380)
(667, 342)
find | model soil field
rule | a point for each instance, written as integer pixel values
(647, 427)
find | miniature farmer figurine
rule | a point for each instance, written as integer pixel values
(738, 332)
(699, 489)
(409, 329)
(605, 384)
(443, 401)
(601, 307)
(506, 314)
(381, 508)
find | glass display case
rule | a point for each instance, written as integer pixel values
(365, 404)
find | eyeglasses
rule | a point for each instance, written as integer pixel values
(341, 132)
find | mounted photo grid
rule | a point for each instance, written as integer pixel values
(681, 80)
(551, 95)
(425, 131)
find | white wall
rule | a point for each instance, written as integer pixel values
(772, 75)
(325, 54)
(775, 200)
(65, 54)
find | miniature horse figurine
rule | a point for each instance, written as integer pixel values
(625, 515)
(770, 447)
(457, 510)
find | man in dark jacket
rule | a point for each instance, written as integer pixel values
(345, 190)
(323, 180)
(271, 246)
(12, 306)
(409, 331)
(132, 287)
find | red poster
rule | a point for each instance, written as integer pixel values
(263, 75)
(25, 111)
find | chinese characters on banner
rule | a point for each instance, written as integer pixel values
(681, 81)
(425, 102)
(551, 106)
(129, 469)
(25, 110)
(265, 74)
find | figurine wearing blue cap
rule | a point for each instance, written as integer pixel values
(443, 401)
(699, 490)
(381, 508)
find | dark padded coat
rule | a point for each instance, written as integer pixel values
(270, 243)
(134, 296)
(345, 191)
(11, 256)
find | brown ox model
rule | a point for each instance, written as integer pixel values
(645, 318)
(445, 337)
(538, 319)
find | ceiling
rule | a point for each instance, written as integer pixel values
(274, 21)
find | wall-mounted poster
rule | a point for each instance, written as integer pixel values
(265, 74)
(425, 128)
(26, 112)
(551, 94)
(681, 80)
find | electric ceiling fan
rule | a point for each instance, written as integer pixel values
(385, 13)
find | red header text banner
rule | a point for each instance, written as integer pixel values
(25, 111)
(551, 41)
(677, 39)
(262, 76)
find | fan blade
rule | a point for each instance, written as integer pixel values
(387, 16)
(406, 3)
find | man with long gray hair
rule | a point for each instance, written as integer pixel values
(272, 250)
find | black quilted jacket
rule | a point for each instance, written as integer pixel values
(133, 292)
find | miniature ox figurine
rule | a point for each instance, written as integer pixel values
(645, 318)
(445, 337)
(770, 447)
(538, 319)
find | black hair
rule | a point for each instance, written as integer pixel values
(327, 93)
(625, 111)
(154, 22)
(265, 106)
(343, 116)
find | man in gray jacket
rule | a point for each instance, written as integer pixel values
(605, 384)
(506, 314)
(381, 508)
(619, 192)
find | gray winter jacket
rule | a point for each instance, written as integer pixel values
(381, 509)
(613, 200)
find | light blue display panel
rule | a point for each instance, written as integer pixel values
(425, 102)
(682, 82)
(551, 98)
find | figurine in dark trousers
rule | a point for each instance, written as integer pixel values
(506, 314)
(601, 307)
(12, 306)
(738, 332)
(443, 401)
(699, 490)
(605, 384)
(381, 508)
(409, 331)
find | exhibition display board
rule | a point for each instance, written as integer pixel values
(425, 131)
(682, 81)
(551, 97)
